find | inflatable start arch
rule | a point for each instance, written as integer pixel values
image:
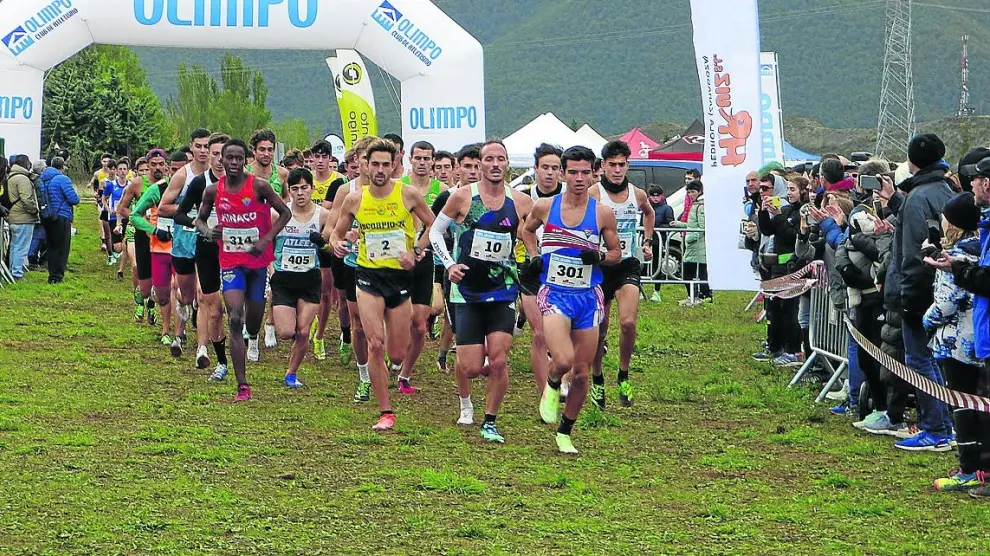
(440, 65)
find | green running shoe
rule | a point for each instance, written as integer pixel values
(625, 394)
(564, 444)
(319, 349)
(958, 482)
(346, 351)
(549, 405)
(166, 340)
(363, 392)
(139, 312)
(598, 395)
(152, 314)
(490, 433)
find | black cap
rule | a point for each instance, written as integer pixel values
(654, 189)
(925, 149)
(981, 168)
(961, 211)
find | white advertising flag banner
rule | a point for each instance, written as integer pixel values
(771, 116)
(728, 68)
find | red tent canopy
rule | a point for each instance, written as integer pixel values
(689, 146)
(640, 143)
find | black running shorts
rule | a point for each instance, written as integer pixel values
(208, 266)
(183, 267)
(390, 284)
(475, 321)
(289, 288)
(622, 274)
(422, 282)
(142, 255)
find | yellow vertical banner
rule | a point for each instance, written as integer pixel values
(355, 98)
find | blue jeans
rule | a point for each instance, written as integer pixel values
(933, 415)
(20, 243)
(856, 376)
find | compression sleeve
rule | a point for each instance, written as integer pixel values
(441, 223)
(149, 199)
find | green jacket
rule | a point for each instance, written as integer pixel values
(694, 242)
(25, 202)
(151, 197)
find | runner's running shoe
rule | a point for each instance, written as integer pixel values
(490, 433)
(292, 381)
(319, 349)
(467, 416)
(564, 444)
(549, 405)
(385, 422)
(176, 348)
(152, 313)
(363, 392)
(166, 340)
(405, 387)
(253, 353)
(270, 340)
(139, 313)
(597, 394)
(625, 393)
(202, 358)
(219, 374)
(243, 393)
(346, 351)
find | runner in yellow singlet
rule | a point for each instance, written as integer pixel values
(384, 213)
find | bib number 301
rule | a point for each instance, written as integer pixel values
(568, 272)
(240, 240)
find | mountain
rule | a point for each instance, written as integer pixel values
(628, 62)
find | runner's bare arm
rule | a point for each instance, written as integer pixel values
(537, 217)
(205, 208)
(347, 208)
(132, 192)
(335, 209)
(284, 213)
(168, 206)
(607, 225)
(649, 221)
(417, 205)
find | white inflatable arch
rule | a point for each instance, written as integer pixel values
(440, 65)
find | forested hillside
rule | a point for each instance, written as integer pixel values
(627, 62)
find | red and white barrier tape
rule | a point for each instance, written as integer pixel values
(796, 284)
(937, 391)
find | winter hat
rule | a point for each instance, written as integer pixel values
(832, 170)
(968, 166)
(769, 167)
(961, 211)
(925, 149)
(845, 184)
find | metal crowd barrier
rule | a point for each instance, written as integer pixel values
(667, 265)
(829, 340)
(5, 275)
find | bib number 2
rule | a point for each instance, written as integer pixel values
(385, 245)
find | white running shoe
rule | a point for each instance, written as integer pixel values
(202, 358)
(253, 354)
(270, 340)
(219, 374)
(467, 416)
(244, 332)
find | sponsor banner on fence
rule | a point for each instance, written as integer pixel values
(355, 98)
(728, 60)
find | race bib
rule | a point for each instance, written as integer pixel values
(239, 240)
(385, 245)
(166, 224)
(493, 247)
(626, 242)
(298, 260)
(569, 272)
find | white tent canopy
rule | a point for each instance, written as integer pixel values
(591, 138)
(545, 128)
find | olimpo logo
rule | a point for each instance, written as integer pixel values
(352, 73)
(224, 13)
(407, 33)
(24, 36)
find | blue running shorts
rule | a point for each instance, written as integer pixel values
(584, 308)
(251, 281)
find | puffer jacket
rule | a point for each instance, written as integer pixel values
(694, 242)
(950, 318)
(25, 202)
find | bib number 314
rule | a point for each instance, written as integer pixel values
(240, 240)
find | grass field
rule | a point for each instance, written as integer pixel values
(108, 445)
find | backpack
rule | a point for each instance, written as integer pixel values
(46, 209)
